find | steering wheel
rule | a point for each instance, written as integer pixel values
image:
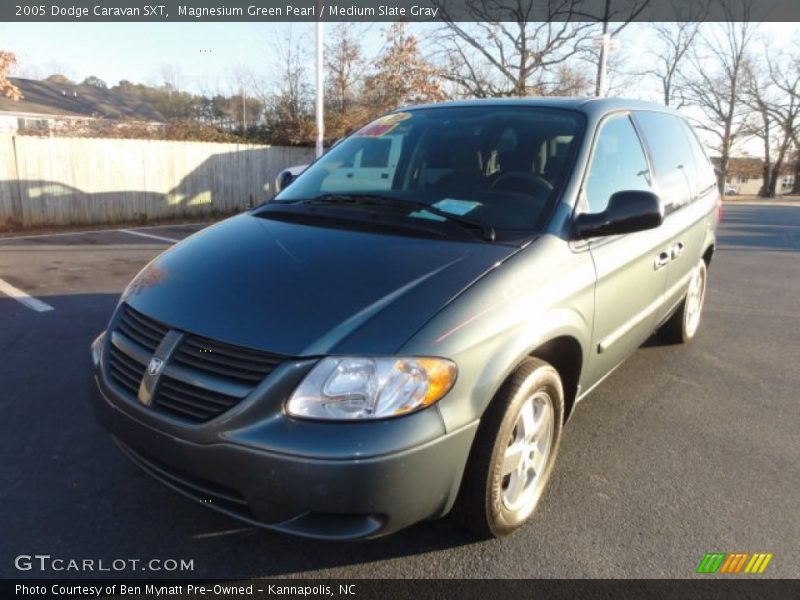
(531, 183)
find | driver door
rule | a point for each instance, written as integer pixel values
(630, 276)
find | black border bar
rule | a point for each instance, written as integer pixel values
(731, 588)
(396, 10)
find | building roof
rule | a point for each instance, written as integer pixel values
(76, 100)
(751, 168)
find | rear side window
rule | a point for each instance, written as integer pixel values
(673, 159)
(618, 164)
(704, 170)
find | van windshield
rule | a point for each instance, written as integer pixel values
(502, 167)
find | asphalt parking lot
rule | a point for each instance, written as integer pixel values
(682, 451)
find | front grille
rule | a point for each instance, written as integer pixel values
(140, 329)
(191, 402)
(240, 365)
(202, 378)
(125, 371)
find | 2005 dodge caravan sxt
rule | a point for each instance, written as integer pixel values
(406, 327)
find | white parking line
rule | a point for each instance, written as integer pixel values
(23, 298)
(149, 235)
(4, 238)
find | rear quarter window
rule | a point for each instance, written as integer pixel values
(706, 179)
(673, 160)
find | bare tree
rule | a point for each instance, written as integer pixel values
(290, 103)
(619, 12)
(171, 76)
(773, 92)
(673, 41)
(756, 96)
(505, 52)
(569, 80)
(785, 77)
(716, 84)
(345, 63)
(245, 108)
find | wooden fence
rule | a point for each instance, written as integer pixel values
(70, 181)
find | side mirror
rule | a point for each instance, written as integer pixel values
(283, 180)
(626, 212)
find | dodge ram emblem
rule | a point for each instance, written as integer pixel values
(155, 366)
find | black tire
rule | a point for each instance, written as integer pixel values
(482, 504)
(680, 327)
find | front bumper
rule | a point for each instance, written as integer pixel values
(321, 480)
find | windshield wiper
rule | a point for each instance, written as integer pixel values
(487, 231)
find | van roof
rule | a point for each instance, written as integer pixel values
(594, 106)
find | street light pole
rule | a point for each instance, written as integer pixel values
(320, 105)
(606, 44)
(600, 91)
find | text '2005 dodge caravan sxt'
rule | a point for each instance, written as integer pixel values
(404, 329)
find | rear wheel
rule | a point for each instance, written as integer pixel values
(514, 452)
(682, 326)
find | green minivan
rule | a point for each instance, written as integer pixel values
(405, 329)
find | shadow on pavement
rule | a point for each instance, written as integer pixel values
(71, 493)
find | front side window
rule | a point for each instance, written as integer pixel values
(618, 164)
(502, 166)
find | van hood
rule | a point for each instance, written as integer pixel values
(305, 290)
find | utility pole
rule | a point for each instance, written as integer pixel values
(320, 94)
(241, 82)
(244, 112)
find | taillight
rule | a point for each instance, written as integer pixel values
(719, 208)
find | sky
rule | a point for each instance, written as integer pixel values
(205, 53)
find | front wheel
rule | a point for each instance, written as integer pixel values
(514, 452)
(682, 326)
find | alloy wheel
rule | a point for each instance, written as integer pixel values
(694, 301)
(526, 457)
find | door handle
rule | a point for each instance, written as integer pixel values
(677, 250)
(661, 260)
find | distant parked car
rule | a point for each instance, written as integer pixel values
(406, 328)
(730, 190)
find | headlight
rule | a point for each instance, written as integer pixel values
(371, 388)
